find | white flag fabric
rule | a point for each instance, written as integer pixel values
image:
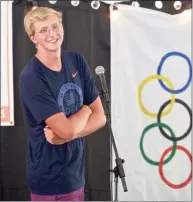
(151, 75)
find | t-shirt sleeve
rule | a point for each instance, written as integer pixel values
(90, 90)
(36, 96)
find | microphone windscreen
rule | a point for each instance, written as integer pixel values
(99, 70)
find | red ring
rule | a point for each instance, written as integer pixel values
(174, 186)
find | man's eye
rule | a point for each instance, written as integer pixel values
(55, 27)
(43, 31)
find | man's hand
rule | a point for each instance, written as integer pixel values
(52, 138)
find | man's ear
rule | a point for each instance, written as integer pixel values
(33, 39)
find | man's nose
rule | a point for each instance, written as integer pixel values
(51, 32)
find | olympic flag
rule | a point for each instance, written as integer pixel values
(7, 114)
(151, 74)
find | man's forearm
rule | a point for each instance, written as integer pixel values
(80, 118)
(95, 122)
(76, 123)
(86, 121)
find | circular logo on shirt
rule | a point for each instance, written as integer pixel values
(70, 98)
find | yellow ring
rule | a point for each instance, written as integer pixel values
(145, 81)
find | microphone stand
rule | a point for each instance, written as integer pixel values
(118, 170)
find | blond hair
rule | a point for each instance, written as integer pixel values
(37, 14)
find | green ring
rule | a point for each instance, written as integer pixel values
(156, 163)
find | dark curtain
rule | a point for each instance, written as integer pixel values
(86, 31)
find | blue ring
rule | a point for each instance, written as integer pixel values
(190, 71)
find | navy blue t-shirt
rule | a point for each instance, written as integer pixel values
(55, 169)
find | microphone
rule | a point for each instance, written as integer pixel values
(100, 71)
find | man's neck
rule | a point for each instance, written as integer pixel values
(52, 60)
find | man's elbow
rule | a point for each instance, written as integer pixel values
(103, 120)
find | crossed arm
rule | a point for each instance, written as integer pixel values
(87, 120)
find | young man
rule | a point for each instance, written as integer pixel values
(62, 106)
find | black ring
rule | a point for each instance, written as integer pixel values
(159, 120)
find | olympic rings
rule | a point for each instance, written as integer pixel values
(175, 186)
(159, 121)
(161, 113)
(155, 163)
(150, 78)
(190, 72)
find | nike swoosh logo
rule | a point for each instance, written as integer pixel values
(74, 75)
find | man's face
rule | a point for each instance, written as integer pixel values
(48, 34)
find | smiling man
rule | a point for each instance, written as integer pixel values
(62, 106)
